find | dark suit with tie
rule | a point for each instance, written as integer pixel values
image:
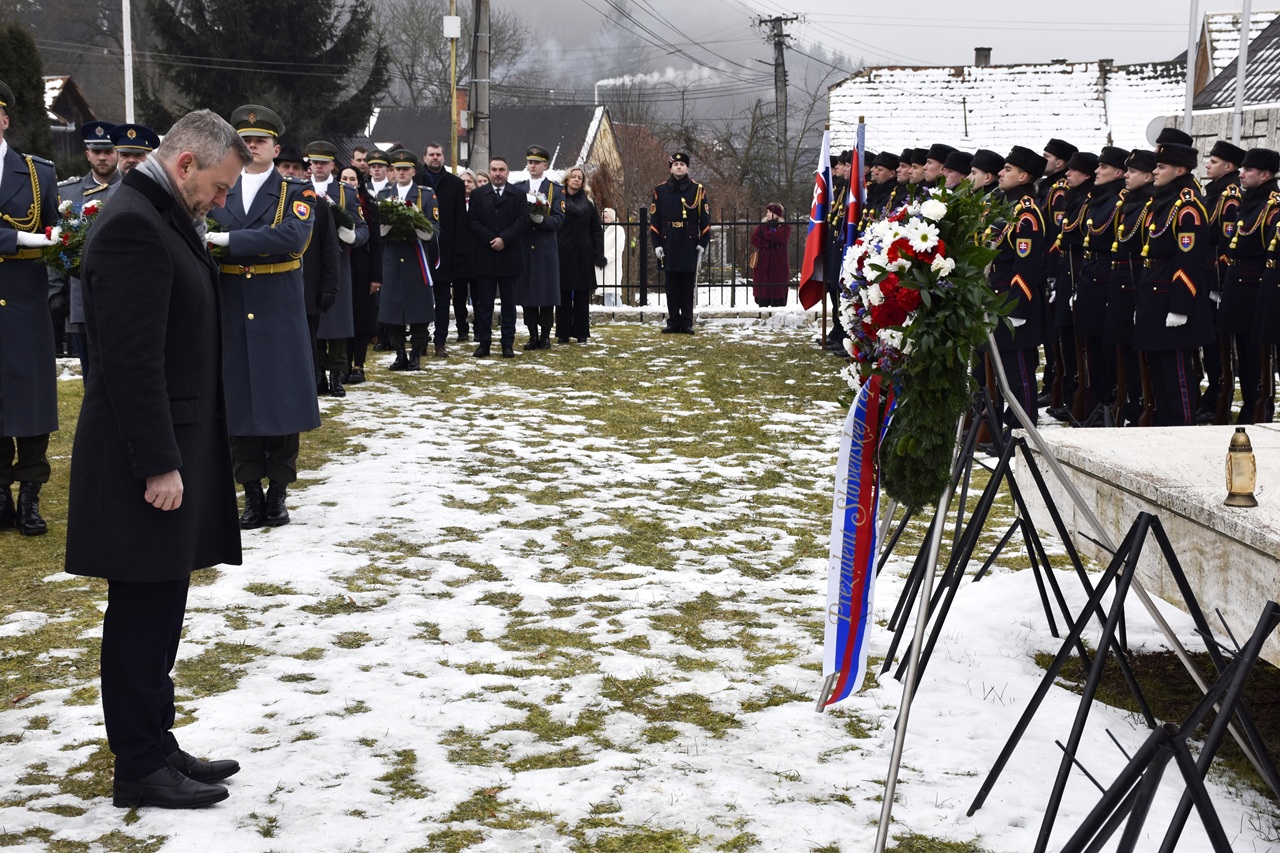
(492, 214)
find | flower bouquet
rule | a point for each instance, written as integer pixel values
(341, 218)
(403, 219)
(68, 236)
(211, 226)
(539, 205)
(916, 304)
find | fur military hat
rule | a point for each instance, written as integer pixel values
(1263, 159)
(887, 159)
(940, 151)
(1177, 154)
(255, 120)
(1172, 134)
(846, 157)
(919, 156)
(322, 150)
(959, 161)
(97, 134)
(1224, 150)
(680, 157)
(1141, 160)
(135, 139)
(1060, 149)
(1083, 161)
(906, 155)
(1027, 160)
(1113, 156)
(986, 160)
(6, 97)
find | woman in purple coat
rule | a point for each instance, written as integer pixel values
(771, 271)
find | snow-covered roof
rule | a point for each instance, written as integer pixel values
(1090, 104)
(1262, 75)
(1223, 32)
(52, 89)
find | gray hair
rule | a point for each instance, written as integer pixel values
(207, 136)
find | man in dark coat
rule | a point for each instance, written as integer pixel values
(1222, 199)
(680, 221)
(1094, 281)
(270, 377)
(152, 498)
(498, 216)
(409, 267)
(538, 287)
(454, 239)
(28, 380)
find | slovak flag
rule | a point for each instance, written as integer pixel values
(812, 282)
(857, 194)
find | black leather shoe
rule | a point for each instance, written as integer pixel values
(277, 515)
(322, 384)
(415, 361)
(8, 512)
(356, 376)
(463, 336)
(482, 351)
(1044, 399)
(255, 507)
(335, 384)
(534, 343)
(29, 521)
(1060, 413)
(562, 340)
(669, 330)
(167, 789)
(201, 770)
(401, 362)
(508, 351)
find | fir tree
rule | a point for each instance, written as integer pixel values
(318, 63)
(21, 71)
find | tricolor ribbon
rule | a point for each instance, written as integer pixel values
(423, 264)
(852, 556)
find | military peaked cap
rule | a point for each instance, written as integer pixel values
(378, 158)
(403, 157)
(255, 120)
(6, 96)
(321, 150)
(135, 139)
(97, 134)
(537, 153)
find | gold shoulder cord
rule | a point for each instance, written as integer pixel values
(32, 219)
(284, 195)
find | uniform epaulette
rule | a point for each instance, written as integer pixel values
(1273, 198)
(71, 181)
(40, 160)
(1187, 194)
(1232, 191)
(292, 180)
(1061, 184)
(1027, 202)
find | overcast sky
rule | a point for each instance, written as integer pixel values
(928, 32)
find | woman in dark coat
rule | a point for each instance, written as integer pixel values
(581, 242)
(771, 272)
(366, 270)
(463, 280)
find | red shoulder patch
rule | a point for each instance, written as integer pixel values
(308, 193)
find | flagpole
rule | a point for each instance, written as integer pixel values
(126, 15)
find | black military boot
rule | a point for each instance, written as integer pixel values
(335, 384)
(8, 513)
(415, 359)
(277, 513)
(545, 340)
(255, 506)
(29, 521)
(322, 382)
(401, 362)
(535, 341)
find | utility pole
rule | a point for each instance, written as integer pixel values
(452, 30)
(779, 37)
(480, 87)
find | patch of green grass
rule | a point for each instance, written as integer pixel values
(687, 622)
(740, 843)
(467, 748)
(776, 695)
(352, 639)
(639, 840)
(452, 840)
(215, 670)
(341, 604)
(313, 653)
(913, 843)
(268, 589)
(550, 760)
(503, 600)
(538, 720)
(400, 780)
(428, 631)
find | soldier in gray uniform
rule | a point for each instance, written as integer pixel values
(266, 363)
(28, 380)
(538, 289)
(65, 300)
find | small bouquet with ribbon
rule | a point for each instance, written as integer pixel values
(211, 226)
(403, 220)
(341, 217)
(68, 237)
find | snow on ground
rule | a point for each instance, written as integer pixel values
(497, 624)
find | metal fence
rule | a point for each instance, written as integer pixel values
(724, 279)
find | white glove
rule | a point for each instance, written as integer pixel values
(1071, 303)
(1053, 291)
(27, 240)
(1016, 322)
(660, 253)
(347, 235)
(218, 238)
(536, 218)
(385, 230)
(1172, 321)
(1215, 296)
(422, 235)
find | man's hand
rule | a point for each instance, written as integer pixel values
(536, 218)
(222, 239)
(658, 250)
(27, 240)
(1215, 296)
(497, 245)
(1173, 321)
(58, 303)
(347, 235)
(326, 300)
(424, 236)
(384, 230)
(374, 287)
(164, 491)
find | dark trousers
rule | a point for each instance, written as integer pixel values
(442, 293)
(1102, 369)
(32, 454)
(1070, 377)
(313, 326)
(461, 292)
(486, 290)
(1020, 369)
(419, 337)
(1174, 386)
(357, 351)
(573, 315)
(1249, 372)
(140, 634)
(1131, 405)
(274, 457)
(679, 289)
(538, 319)
(331, 353)
(837, 333)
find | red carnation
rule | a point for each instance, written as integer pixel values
(888, 313)
(908, 299)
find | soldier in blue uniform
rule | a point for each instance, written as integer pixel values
(1122, 288)
(1172, 305)
(134, 144)
(984, 170)
(28, 383)
(1222, 200)
(408, 267)
(267, 368)
(337, 324)
(65, 298)
(680, 222)
(538, 288)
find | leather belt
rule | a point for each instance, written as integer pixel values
(1124, 262)
(259, 269)
(1243, 262)
(1092, 256)
(22, 255)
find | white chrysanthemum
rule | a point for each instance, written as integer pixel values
(890, 337)
(848, 345)
(848, 315)
(65, 206)
(913, 209)
(873, 294)
(853, 377)
(933, 210)
(878, 261)
(900, 265)
(922, 235)
(943, 265)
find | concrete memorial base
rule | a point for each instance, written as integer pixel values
(1231, 555)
